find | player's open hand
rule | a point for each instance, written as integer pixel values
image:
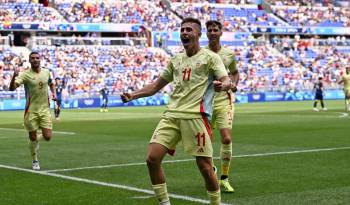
(217, 85)
(126, 97)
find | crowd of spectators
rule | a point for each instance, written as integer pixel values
(284, 65)
(301, 2)
(9, 60)
(86, 69)
(216, 1)
(155, 15)
(233, 18)
(263, 69)
(28, 12)
(315, 16)
(148, 13)
(326, 60)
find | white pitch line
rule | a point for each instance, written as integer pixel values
(119, 186)
(5, 137)
(343, 114)
(186, 160)
(23, 130)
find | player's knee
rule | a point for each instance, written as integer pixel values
(226, 140)
(32, 137)
(47, 137)
(152, 160)
(225, 136)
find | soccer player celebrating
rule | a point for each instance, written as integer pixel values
(186, 118)
(59, 89)
(37, 110)
(318, 87)
(346, 80)
(223, 101)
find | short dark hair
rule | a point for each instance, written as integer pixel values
(213, 22)
(320, 78)
(192, 20)
(34, 53)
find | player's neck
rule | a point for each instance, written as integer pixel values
(36, 69)
(192, 51)
(214, 46)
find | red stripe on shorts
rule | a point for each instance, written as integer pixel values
(205, 120)
(229, 98)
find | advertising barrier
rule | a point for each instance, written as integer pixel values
(162, 99)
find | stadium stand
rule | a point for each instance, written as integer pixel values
(28, 12)
(267, 61)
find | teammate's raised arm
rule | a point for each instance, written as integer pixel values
(13, 84)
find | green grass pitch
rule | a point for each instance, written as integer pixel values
(283, 153)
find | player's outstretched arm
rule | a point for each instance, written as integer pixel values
(146, 91)
(13, 84)
(223, 84)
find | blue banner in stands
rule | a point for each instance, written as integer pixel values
(80, 27)
(88, 102)
(302, 30)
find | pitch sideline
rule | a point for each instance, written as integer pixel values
(192, 159)
(119, 186)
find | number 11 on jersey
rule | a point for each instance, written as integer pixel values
(186, 71)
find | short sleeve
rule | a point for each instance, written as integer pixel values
(168, 72)
(233, 66)
(217, 66)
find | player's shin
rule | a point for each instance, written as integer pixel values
(225, 156)
(160, 190)
(214, 197)
(34, 148)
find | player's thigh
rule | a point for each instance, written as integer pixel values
(196, 137)
(319, 96)
(59, 102)
(31, 121)
(347, 93)
(224, 117)
(45, 120)
(167, 133)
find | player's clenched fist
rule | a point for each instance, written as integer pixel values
(126, 97)
(217, 85)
